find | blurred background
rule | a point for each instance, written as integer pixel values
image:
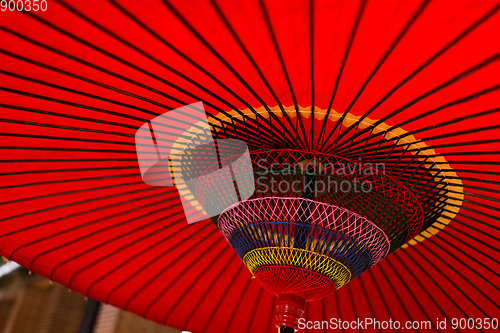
(30, 303)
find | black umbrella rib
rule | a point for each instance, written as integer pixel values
(311, 67)
(26, 199)
(24, 148)
(235, 309)
(426, 259)
(208, 283)
(137, 68)
(390, 159)
(226, 64)
(67, 116)
(256, 67)
(85, 63)
(111, 101)
(67, 139)
(339, 76)
(165, 239)
(136, 49)
(472, 187)
(469, 209)
(477, 180)
(35, 172)
(78, 105)
(199, 260)
(380, 293)
(404, 266)
(365, 294)
(63, 127)
(475, 195)
(287, 77)
(72, 180)
(433, 280)
(170, 46)
(475, 260)
(450, 122)
(78, 214)
(212, 233)
(404, 284)
(435, 90)
(394, 44)
(182, 19)
(435, 243)
(221, 299)
(471, 218)
(255, 307)
(462, 100)
(87, 80)
(459, 133)
(82, 106)
(69, 160)
(257, 132)
(459, 144)
(468, 235)
(96, 67)
(122, 213)
(391, 286)
(203, 70)
(452, 43)
(143, 225)
(59, 219)
(462, 171)
(433, 127)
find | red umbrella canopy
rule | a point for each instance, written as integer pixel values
(411, 85)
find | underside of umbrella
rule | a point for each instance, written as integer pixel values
(221, 166)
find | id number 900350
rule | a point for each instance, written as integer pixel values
(23, 5)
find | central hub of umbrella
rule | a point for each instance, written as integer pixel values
(311, 223)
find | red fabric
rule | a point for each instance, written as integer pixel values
(78, 80)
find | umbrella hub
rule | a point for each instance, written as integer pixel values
(311, 223)
(288, 312)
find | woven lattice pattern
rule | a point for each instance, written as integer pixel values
(284, 234)
(363, 189)
(328, 229)
(324, 265)
(294, 280)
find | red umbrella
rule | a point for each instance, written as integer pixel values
(408, 85)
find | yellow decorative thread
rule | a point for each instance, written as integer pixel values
(454, 184)
(287, 256)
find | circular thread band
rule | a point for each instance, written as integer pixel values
(285, 256)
